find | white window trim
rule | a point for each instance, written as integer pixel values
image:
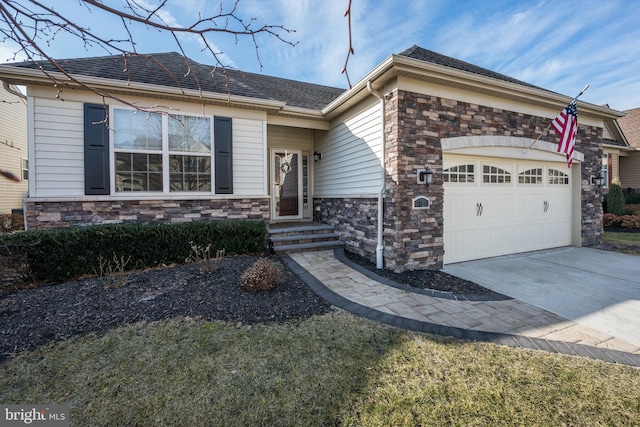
(165, 158)
(604, 170)
(22, 169)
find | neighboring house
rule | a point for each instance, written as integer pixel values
(630, 164)
(615, 147)
(13, 148)
(267, 148)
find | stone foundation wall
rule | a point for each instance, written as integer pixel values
(80, 213)
(355, 219)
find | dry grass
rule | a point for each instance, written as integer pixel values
(325, 370)
(627, 238)
(626, 243)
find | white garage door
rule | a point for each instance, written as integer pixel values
(495, 206)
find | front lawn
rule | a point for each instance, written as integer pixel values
(620, 237)
(329, 369)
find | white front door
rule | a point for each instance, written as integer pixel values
(286, 184)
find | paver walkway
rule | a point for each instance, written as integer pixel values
(505, 321)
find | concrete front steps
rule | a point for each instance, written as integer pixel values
(302, 237)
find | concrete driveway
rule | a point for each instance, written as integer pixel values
(599, 289)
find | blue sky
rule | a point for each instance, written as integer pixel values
(558, 45)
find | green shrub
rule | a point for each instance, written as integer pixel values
(64, 253)
(615, 198)
(631, 198)
(261, 276)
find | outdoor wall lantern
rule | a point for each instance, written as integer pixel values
(316, 156)
(425, 176)
(597, 180)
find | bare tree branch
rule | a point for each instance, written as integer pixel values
(34, 25)
(350, 52)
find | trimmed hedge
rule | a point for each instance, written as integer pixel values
(64, 253)
(632, 198)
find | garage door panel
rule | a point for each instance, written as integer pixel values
(506, 208)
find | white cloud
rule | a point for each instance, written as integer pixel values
(9, 52)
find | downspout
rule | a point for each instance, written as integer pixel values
(13, 91)
(20, 95)
(380, 246)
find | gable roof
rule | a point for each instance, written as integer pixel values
(171, 74)
(174, 70)
(630, 125)
(416, 52)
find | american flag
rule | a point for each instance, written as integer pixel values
(566, 125)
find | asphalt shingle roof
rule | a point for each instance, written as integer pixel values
(630, 125)
(174, 70)
(416, 52)
(608, 141)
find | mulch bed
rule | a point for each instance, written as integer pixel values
(36, 316)
(33, 317)
(424, 279)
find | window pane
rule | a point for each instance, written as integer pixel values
(135, 129)
(138, 172)
(189, 133)
(123, 161)
(190, 173)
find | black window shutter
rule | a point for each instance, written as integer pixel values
(96, 150)
(222, 131)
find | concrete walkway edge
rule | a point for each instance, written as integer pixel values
(518, 341)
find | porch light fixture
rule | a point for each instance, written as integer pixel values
(316, 156)
(425, 176)
(597, 180)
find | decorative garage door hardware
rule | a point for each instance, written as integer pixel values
(479, 209)
(546, 206)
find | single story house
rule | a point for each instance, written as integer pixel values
(13, 148)
(241, 145)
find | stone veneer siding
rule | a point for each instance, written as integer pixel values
(80, 213)
(356, 219)
(414, 125)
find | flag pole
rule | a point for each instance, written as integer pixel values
(524, 152)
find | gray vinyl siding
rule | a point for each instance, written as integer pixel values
(630, 171)
(351, 156)
(59, 148)
(249, 153)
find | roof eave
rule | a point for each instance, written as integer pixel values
(399, 65)
(22, 76)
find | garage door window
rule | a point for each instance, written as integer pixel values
(495, 175)
(460, 173)
(558, 178)
(531, 176)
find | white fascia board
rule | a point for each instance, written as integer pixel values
(397, 64)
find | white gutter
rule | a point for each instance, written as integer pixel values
(396, 65)
(380, 246)
(12, 91)
(23, 75)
